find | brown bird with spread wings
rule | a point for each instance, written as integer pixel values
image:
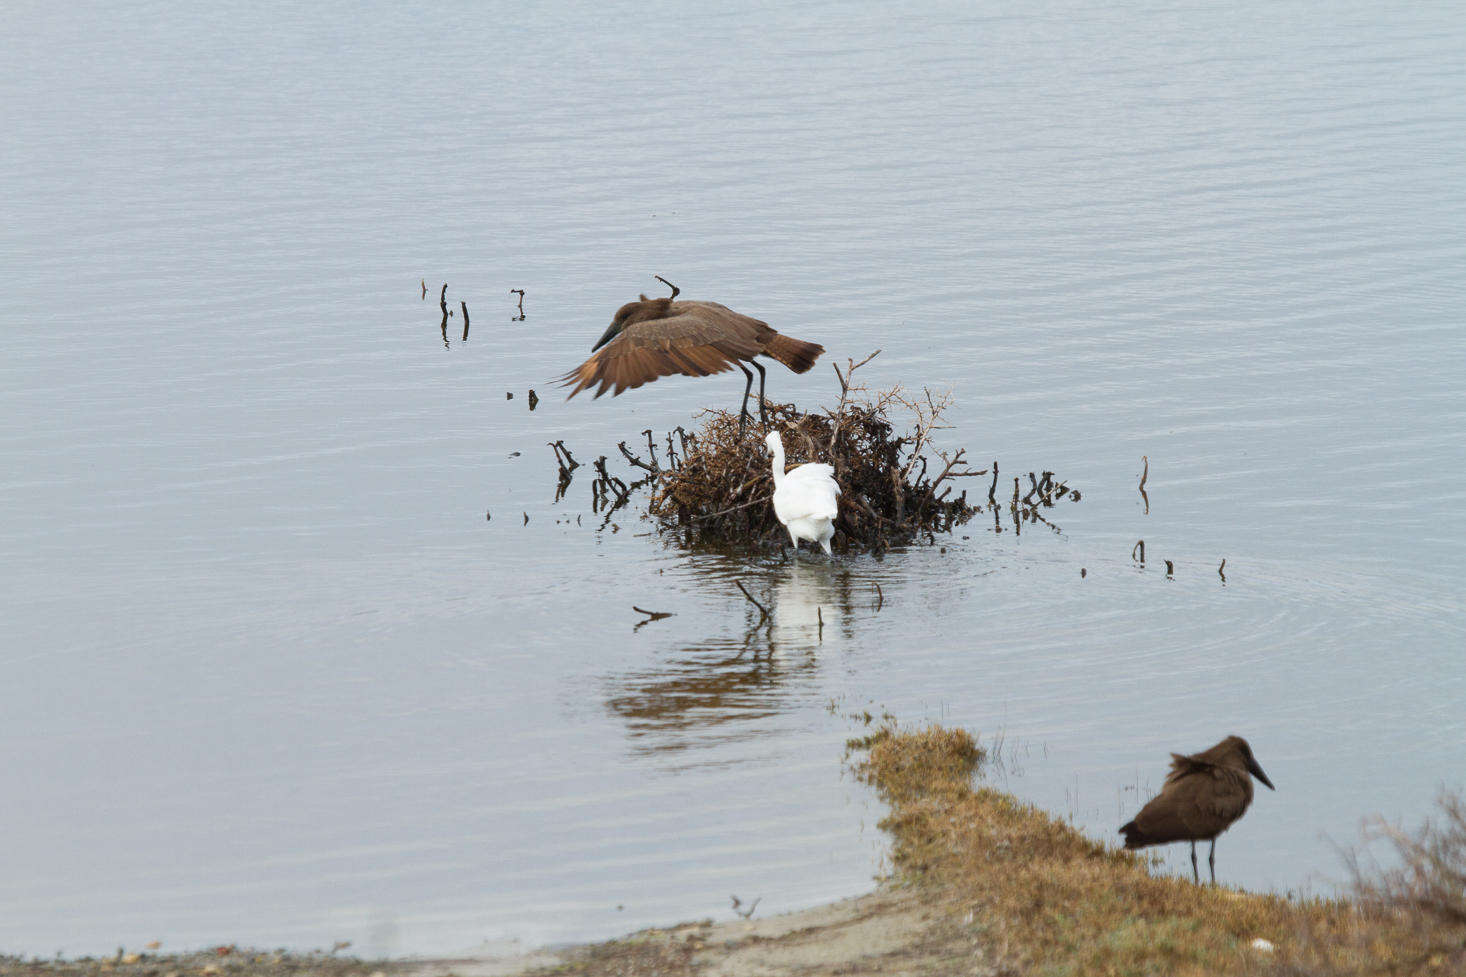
(1203, 794)
(654, 338)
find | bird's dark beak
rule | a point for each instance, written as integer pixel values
(1256, 771)
(606, 337)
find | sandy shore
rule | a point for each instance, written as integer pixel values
(886, 932)
(880, 933)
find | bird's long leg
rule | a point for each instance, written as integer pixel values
(1211, 860)
(743, 408)
(761, 413)
(1195, 874)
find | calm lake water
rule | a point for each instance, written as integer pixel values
(270, 675)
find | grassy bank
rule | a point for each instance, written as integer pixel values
(1045, 899)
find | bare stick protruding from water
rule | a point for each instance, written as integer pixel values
(534, 399)
(1222, 570)
(1143, 476)
(443, 304)
(880, 598)
(1140, 548)
(424, 289)
(568, 463)
(675, 290)
(763, 611)
(637, 461)
(465, 319)
(1170, 568)
(520, 293)
(650, 616)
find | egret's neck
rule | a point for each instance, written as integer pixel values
(778, 450)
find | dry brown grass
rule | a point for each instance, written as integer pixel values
(1051, 901)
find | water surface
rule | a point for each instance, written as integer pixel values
(270, 674)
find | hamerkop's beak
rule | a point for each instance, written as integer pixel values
(606, 337)
(1256, 771)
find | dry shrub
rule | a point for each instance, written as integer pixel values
(895, 487)
(1429, 881)
(1413, 911)
(1047, 899)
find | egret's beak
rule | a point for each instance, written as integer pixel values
(606, 337)
(1256, 771)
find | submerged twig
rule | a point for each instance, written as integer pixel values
(1143, 476)
(650, 616)
(443, 304)
(763, 611)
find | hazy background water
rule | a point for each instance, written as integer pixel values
(269, 674)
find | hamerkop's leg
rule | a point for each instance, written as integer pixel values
(1195, 873)
(743, 408)
(1211, 860)
(763, 416)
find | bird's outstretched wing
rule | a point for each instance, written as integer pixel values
(702, 338)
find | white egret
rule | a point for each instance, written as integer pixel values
(804, 499)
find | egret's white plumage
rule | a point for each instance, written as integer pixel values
(804, 499)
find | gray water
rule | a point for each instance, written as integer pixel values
(270, 675)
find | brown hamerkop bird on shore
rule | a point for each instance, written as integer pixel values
(654, 338)
(1203, 794)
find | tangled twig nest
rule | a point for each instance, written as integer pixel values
(894, 488)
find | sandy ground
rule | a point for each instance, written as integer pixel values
(887, 933)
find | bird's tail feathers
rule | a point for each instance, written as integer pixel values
(796, 354)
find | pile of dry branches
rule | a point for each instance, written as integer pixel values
(894, 488)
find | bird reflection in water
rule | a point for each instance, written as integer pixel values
(729, 689)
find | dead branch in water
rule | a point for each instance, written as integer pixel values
(443, 304)
(650, 616)
(763, 611)
(1143, 476)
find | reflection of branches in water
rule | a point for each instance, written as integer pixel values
(805, 599)
(717, 691)
(714, 693)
